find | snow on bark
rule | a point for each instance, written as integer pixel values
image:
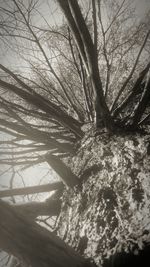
(111, 211)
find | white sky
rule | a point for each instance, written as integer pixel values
(48, 10)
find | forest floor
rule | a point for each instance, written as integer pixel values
(109, 211)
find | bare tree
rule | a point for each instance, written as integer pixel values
(90, 71)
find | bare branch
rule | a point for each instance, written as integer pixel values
(24, 246)
(135, 91)
(94, 25)
(141, 106)
(131, 73)
(104, 49)
(90, 54)
(64, 172)
(35, 209)
(31, 189)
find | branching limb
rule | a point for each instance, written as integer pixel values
(90, 55)
(64, 172)
(33, 244)
(131, 73)
(35, 209)
(135, 90)
(31, 189)
(141, 106)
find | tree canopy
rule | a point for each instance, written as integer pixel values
(88, 70)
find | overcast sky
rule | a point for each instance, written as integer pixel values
(48, 10)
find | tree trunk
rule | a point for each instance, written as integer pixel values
(110, 214)
(32, 244)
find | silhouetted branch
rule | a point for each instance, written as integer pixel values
(141, 106)
(131, 72)
(135, 90)
(31, 189)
